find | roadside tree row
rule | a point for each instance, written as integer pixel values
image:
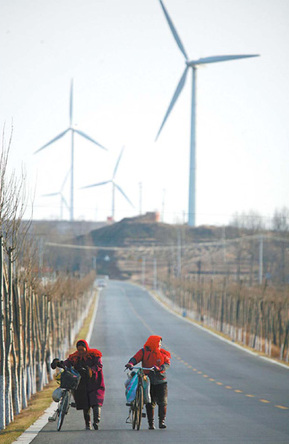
(38, 318)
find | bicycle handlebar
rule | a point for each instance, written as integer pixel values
(143, 368)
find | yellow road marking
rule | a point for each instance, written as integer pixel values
(265, 401)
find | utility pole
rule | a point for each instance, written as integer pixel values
(155, 274)
(143, 270)
(140, 198)
(260, 259)
(163, 205)
(179, 266)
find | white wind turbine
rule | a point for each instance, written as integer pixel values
(73, 130)
(114, 186)
(194, 64)
(63, 201)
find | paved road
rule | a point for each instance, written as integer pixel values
(217, 393)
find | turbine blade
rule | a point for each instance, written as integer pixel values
(81, 133)
(71, 103)
(64, 201)
(53, 140)
(96, 184)
(123, 193)
(216, 59)
(66, 177)
(51, 194)
(174, 99)
(174, 31)
(117, 163)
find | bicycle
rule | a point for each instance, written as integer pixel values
(69, 380)
(137, 404)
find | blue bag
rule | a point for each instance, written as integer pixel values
(131, 388)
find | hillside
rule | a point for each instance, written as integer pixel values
(134, 232)
(123, 250)
(119, 249)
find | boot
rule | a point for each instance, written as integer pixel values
(96, 416)
(150, 415)
(86, 415)
(162, 416)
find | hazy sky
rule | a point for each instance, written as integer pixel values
(126, 65)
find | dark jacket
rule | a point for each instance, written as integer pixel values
(91, 389)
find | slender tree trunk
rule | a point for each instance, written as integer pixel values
(9, 339)
(2, 343)
(19, 329)
(30, 346)
(25, 348)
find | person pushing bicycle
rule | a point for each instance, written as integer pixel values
(90, 392)
(152, 355)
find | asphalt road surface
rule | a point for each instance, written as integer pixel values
(217, 393)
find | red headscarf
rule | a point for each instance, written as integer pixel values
(90, 353)
(160, 356)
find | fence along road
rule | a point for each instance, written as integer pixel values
(217, 393)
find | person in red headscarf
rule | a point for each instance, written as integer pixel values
(91, 389)
(152, 355)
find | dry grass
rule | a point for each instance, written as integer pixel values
(40, 401)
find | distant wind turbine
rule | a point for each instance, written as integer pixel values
(194, 64)
(114, 185)
(62, 198)
(73, 130)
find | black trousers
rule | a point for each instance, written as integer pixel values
(159, 394)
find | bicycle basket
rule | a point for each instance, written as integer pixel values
(70, 379)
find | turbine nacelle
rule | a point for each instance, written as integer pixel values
(194, 64)
(73, 130)
(114, 184)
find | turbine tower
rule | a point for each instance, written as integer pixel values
(114, 186)
(82, 134)
(194, 64)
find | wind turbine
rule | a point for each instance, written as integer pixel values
(114, 185)
(194, 64)
(62, 198)
(82, 134)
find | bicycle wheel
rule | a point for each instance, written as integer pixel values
(139, 405)
(63, 409)
(134, 414)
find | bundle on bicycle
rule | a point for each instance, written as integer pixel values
(90, 391)
(153, 356)
(137, 391)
